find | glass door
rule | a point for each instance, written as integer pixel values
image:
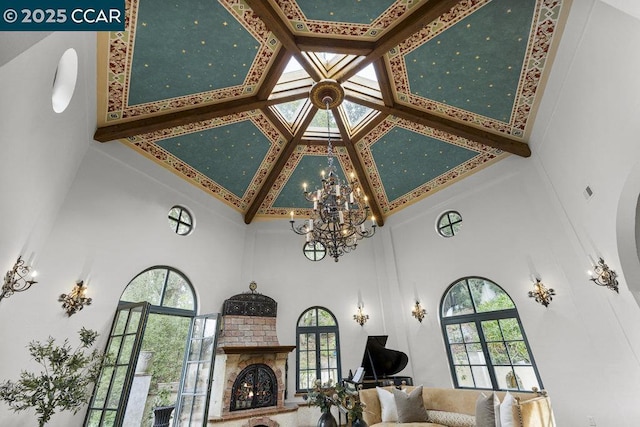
(197, 374)
(109, 400)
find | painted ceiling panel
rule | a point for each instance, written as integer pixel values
(218, 92)
(406, 160)
(185, 47)
(308, 171)
(229, 155)
(344, 10)
(475, 65)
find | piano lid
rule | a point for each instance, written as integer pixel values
(379, 361)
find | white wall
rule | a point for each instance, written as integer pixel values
(41, 150)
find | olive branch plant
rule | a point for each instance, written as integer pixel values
(63, 383)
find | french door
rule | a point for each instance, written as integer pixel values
(197, 373)
(110, 395)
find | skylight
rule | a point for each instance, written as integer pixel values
(369, 73)
(355, 112)
(293, 65)
(290, 110)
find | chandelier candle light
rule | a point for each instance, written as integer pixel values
(340, 210)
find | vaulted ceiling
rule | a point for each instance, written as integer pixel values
(218, 92)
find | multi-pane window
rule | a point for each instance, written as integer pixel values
(180, 220)
(486, 344)
(449, 224)
(318, 348)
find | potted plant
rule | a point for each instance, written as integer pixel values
(324, 397)
(63, 384)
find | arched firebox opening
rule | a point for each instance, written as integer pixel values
(255, 387)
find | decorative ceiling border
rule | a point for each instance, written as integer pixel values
(146, 144)
(340, 153)
(485, 155)
(546, 19)
(300, 24)
(120, 56)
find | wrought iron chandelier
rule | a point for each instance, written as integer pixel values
(340, 211)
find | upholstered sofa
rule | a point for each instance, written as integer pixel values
(457, 408)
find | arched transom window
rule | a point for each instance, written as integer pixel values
(318, 348)
(486, 343)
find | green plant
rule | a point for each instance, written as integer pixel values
(63, 384)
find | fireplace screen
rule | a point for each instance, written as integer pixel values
(255, 387)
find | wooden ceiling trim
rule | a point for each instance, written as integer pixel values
(331, 45)
(460, 129)
(279, 28)
(421, 16)
(277, 168)
(444, 124)
(383, 81)
(271, 79)
(359, 169)
(278, 122)
(177, 118)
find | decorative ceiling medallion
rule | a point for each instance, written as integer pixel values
(324, 90)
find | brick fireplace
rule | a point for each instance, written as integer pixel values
(250, 364)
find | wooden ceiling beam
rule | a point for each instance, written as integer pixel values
(444, 124)
(383, 81)
(277, 123)
(421, 16)
(359, 169)
(177, 118)
(275, 71)
(280, 29)
(471, 133)
(287, 151)
(331, 45)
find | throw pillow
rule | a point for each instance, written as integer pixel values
(410, 406)
(506, 411)
(388, 411)
(488, 410)
(451, 419)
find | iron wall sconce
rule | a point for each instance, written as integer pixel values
(360, 317)
(541, 293)
(76, 300)
(418, 312)
(18, 279)
(602, 275)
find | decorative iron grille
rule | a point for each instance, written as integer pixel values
(255, 387)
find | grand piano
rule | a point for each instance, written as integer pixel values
(381, 364)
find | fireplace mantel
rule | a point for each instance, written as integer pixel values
(257, 349)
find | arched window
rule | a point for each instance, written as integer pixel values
(318, 348)
(486, 343)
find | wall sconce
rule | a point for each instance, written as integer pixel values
(18, 279)
(360, 317)
(602, 275)
(76, 300)
(541, 293)
(418, 312)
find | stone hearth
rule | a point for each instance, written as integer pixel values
(248, 337)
